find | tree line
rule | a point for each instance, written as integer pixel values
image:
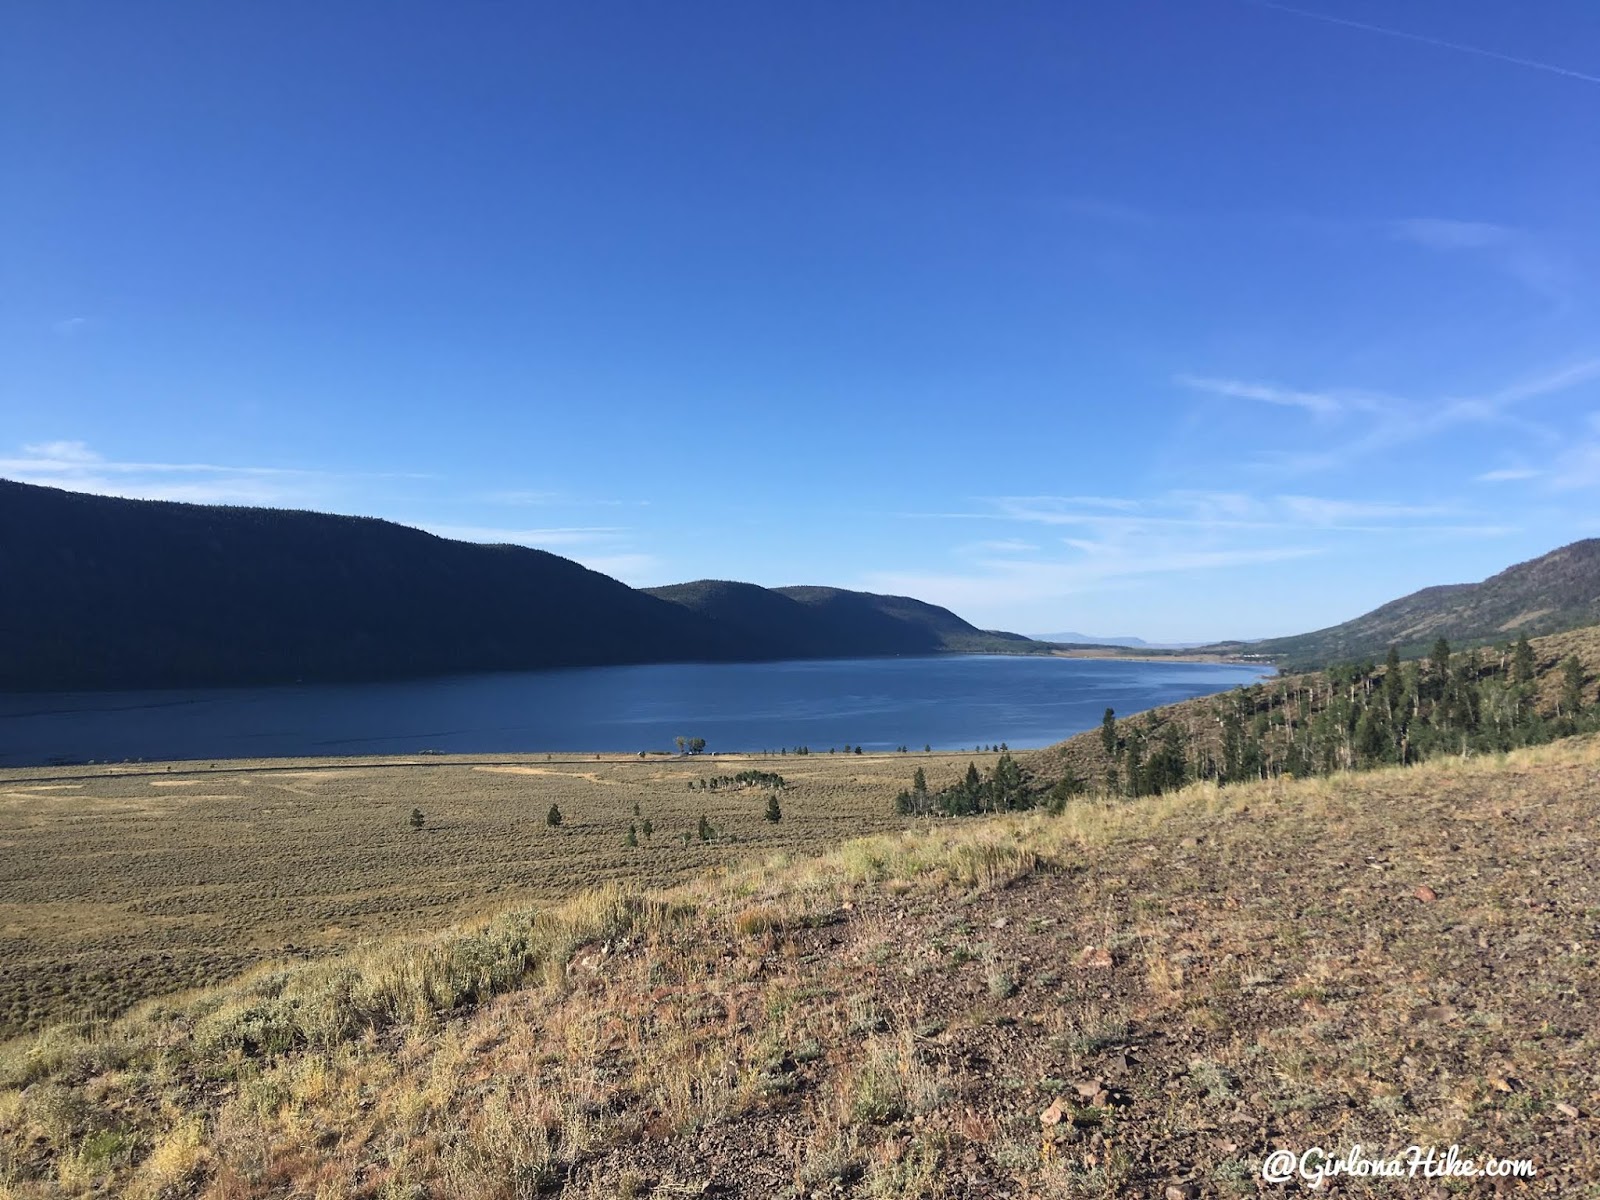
(1351, 716)
(1348, 717)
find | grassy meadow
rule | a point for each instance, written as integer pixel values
(120, 883)
(1131, 998)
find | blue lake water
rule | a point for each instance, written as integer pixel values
(950, 702)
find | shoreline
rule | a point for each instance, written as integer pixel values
(180, 767)
(1175, 656)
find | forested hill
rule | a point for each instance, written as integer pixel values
(102, 592)
(823, 622)
(98, 592)
(1559, 590)
(1348, 717)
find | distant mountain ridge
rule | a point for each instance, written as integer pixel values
(824, 622)
(1072, 638)
(1549, 594)
(100, 592)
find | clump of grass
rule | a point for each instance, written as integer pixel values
(764, 918)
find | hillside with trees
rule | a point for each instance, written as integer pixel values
(1351, 716)
(102, 592)
(824, 622)
(1554, 592)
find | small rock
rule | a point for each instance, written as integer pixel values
(1426, 894)
(1182, 1191)
(1095, 957)
(1567, 1110)
(1051, 1115)
(999, 922)
(1088, 1088)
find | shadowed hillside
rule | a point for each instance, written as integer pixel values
(823, 622)
(1559, 590)
(103, 592)
(110, 593)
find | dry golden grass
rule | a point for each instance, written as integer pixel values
(1260, 972)
(122, 883)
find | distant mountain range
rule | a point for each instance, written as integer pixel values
(1131, 643)
(1554, 592)
(824, 622)
(1084, 639)
(99, 592)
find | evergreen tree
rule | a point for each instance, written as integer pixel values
(1007, 785)
(1374, 738)
(1522, 662)
(705, 830)
(416, 818)
(632, 840)
(972, 785)
(1108, 732)
(1133, 753)
(1167, 767)
(1068, 786)
(774, 812)
(1571, 686)
(553, 817)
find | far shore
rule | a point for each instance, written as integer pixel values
(1117, 654)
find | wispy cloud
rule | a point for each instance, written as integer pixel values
(76, 467)
(1518, 252)
(1507, 475)
(1319, 403)
(1402, 420)
(1185, 513)
(1112, 542)
(1005, 582)
(1425, 40)
(1575, 468)
(1443, 234)
(524, 497)
(70, 326)
(998, 546)
(1347, 514)
(537, 538)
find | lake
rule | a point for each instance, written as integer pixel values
(948, 702)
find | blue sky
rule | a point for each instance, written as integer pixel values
(1187, 319)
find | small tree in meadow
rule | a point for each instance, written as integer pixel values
(417, 819)
(553, 817)
(632, 840)
(774, 811)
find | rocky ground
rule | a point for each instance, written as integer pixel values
(1144, 999)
